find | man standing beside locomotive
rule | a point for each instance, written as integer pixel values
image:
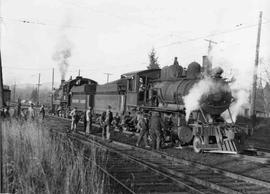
(89, 116)
(144, 130)
(74, 119)
(107, 126)
(156, 125)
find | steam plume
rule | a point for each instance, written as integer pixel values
(241, 68)
(192, 100)
(62, 54)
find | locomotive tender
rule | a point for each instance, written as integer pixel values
(163, 91)
(76, 92)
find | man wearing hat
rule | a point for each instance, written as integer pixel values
(156, 125)
(42, 112)
(31, 112)
(108, 122)
(144, 130)
(89, 115)
(74, 119)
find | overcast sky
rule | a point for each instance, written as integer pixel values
(116, 36)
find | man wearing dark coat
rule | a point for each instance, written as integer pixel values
(156, 125)
(108, 123)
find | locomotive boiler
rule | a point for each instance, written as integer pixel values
(213, 92)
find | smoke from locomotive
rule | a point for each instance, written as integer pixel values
(62, 55)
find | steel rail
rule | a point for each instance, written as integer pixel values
(95, 142)
(198, 165)
(102, 169)
(181, 175)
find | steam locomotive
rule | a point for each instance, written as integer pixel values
(166, 91)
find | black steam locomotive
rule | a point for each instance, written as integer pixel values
(164, 91)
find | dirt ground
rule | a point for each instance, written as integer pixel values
(261, 136)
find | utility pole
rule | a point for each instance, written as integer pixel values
(38, 88)
(52, 90)
(14, 92)
(2, 190)
(254, 85)
(79, 72)
(108, 76)
(1, 134)
(210, 47)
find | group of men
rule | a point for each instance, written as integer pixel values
(106, 121)
(144, 125)
(31, 112)
(148, 125)
(23, 113)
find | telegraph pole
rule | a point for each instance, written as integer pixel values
(52, 88)
(1, 134)
(38, 88)
(210, 48)
(108, 76)
(254, 85)
(14, 92)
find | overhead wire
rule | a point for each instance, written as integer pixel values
(108, 14)
(36, 22)
(211, 35)
(27, 21)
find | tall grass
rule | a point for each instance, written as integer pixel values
(35, 161)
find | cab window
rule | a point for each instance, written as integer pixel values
(131, 84)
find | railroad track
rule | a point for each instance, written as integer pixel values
(195, 177)
(262, 149)
(134, 176)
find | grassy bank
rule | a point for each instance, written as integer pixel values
(36, 161)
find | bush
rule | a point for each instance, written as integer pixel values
(36, 161)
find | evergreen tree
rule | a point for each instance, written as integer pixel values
(153, 60)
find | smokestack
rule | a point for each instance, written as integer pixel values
(207, 65)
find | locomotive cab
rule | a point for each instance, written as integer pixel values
(138, 84)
